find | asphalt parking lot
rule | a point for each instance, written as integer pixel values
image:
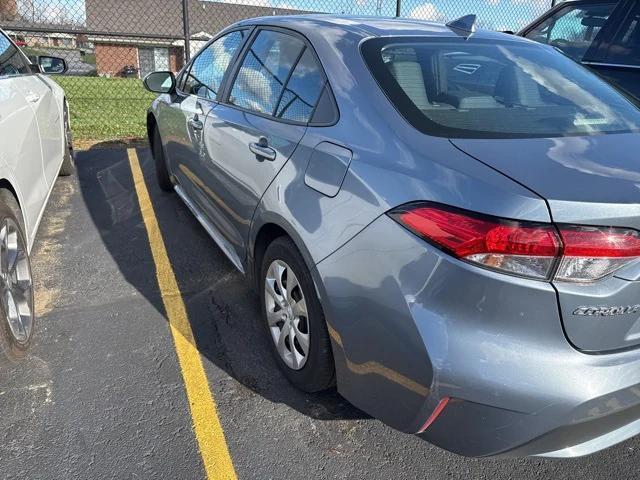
(102, 394)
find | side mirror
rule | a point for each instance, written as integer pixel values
(160, 82)
(52, 65)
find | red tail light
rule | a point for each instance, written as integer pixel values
(591, 253)
(527, 249)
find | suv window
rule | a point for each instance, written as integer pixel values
(260, 82)
(625, 48)
(207, 70)
(12, 62)
(573, 28)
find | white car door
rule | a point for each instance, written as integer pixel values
(20, 146)
(40, 96)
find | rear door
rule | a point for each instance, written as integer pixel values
(20, 148)
(183, 121)
(258, 125)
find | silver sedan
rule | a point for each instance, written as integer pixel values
(442, 221)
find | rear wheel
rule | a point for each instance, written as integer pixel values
(294, 319)
(69, 161)
(17, 317)
(162, 172)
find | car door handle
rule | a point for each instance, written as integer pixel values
(262, 150)
(196, 124)
(32, 97)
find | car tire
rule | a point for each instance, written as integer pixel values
(69, 162)
(162, 172)
(314, 370)
(15, 339)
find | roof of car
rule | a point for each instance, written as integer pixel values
(364, 26)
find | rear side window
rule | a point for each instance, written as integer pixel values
(260, 82)
(574, 28)
(207, 71)
(12, 62)
(478, 88)
(303, 90)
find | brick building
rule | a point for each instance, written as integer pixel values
(8, 10)
(114, 54)
(123, 19)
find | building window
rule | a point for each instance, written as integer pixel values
(152, 60)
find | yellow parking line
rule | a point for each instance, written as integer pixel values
(206, 424)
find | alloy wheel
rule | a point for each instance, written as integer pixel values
(287, 315)
(16, 286)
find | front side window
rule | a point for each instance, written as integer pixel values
(573, 28)
(260, 82)
(208, 69)
(625, 48)
(12, 62)
(495, 89)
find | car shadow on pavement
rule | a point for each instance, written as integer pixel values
(222, 307)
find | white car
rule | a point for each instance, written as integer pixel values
(35, 147)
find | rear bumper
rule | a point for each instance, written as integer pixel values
(591, 429)
(411, 326)
(586, 438)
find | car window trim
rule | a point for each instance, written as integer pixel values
(186, 71)
(224, 99)
(611, 65)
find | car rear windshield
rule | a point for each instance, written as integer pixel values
(476, 88)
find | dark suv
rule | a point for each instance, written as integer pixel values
(601, 34)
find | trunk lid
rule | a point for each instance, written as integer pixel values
(592, 180)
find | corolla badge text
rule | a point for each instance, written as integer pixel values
(607, 311)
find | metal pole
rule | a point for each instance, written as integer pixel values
(553, 3)
(187, 31)
(398, 8)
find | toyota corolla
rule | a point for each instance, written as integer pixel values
(444, 222)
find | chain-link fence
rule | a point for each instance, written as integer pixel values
(109, 45)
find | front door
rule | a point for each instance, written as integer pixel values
(41, 99)
(196, 96)
(249, 137)
(20, 148)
